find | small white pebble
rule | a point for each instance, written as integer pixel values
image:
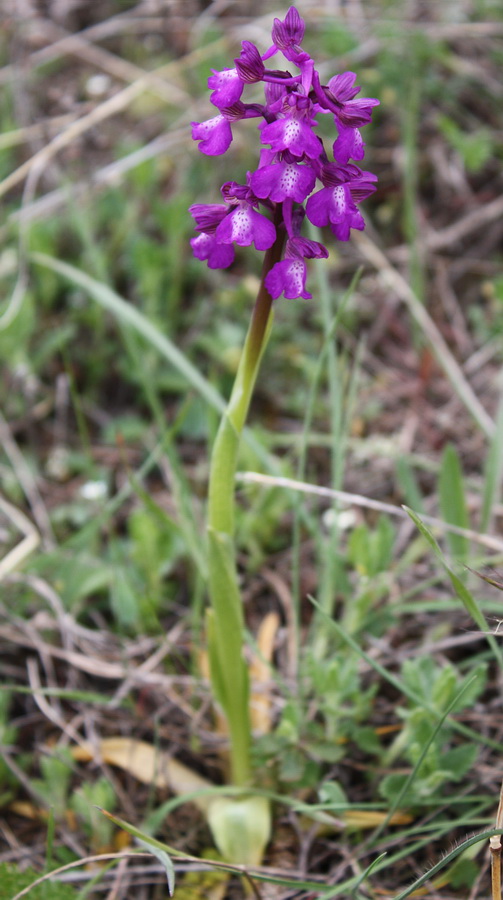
(344, 519)
(97, 85)
(93, 490)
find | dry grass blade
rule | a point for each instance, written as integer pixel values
(27, 481)
(41, 159)
(444, 356)
(111, 174)
(77, 45)
(486, 540)
(25, 547)
(87, 860)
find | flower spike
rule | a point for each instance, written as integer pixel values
(292, 159)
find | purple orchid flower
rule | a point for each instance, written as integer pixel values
(292, 159)
(288, 277)
(236, 221)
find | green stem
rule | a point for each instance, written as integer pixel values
(229, 674)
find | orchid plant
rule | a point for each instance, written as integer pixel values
(267, 211)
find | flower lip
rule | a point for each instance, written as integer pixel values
(349, 145)
(244, 226)
(214, 134)
(294, 134)
(283, 179)
(227, 87)
(288, 277)
(206, 247)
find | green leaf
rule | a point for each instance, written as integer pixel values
(444, 688)
(473, 684)
(227, 664)
(408, 484)
(332, 792)
(124, 599)
(164, 859)
(475, 149)
(241, 828)
(452, 501)
(459, 760)
(393, 786)
(55, 783)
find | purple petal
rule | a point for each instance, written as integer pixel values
(245, 226)
(215, 135)
(267, 157)
(341, 205)
(301, 246)
(290, 31)
(317, 207)
(208, 215)
(206, 247)
(274, 93)
(331, 205)
(283, 180)
(227, 87)
(231, 190)
(342, 87)
(288, 277)
(357, 112)
(249, 64)
(342, 229)
(363, 187)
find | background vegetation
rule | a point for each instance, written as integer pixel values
(383, 703)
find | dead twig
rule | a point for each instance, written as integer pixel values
(486, 540)
(495, 848)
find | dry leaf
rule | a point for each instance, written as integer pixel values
(367, 818)
(149, 765)
(27, 810)
(260, 675)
